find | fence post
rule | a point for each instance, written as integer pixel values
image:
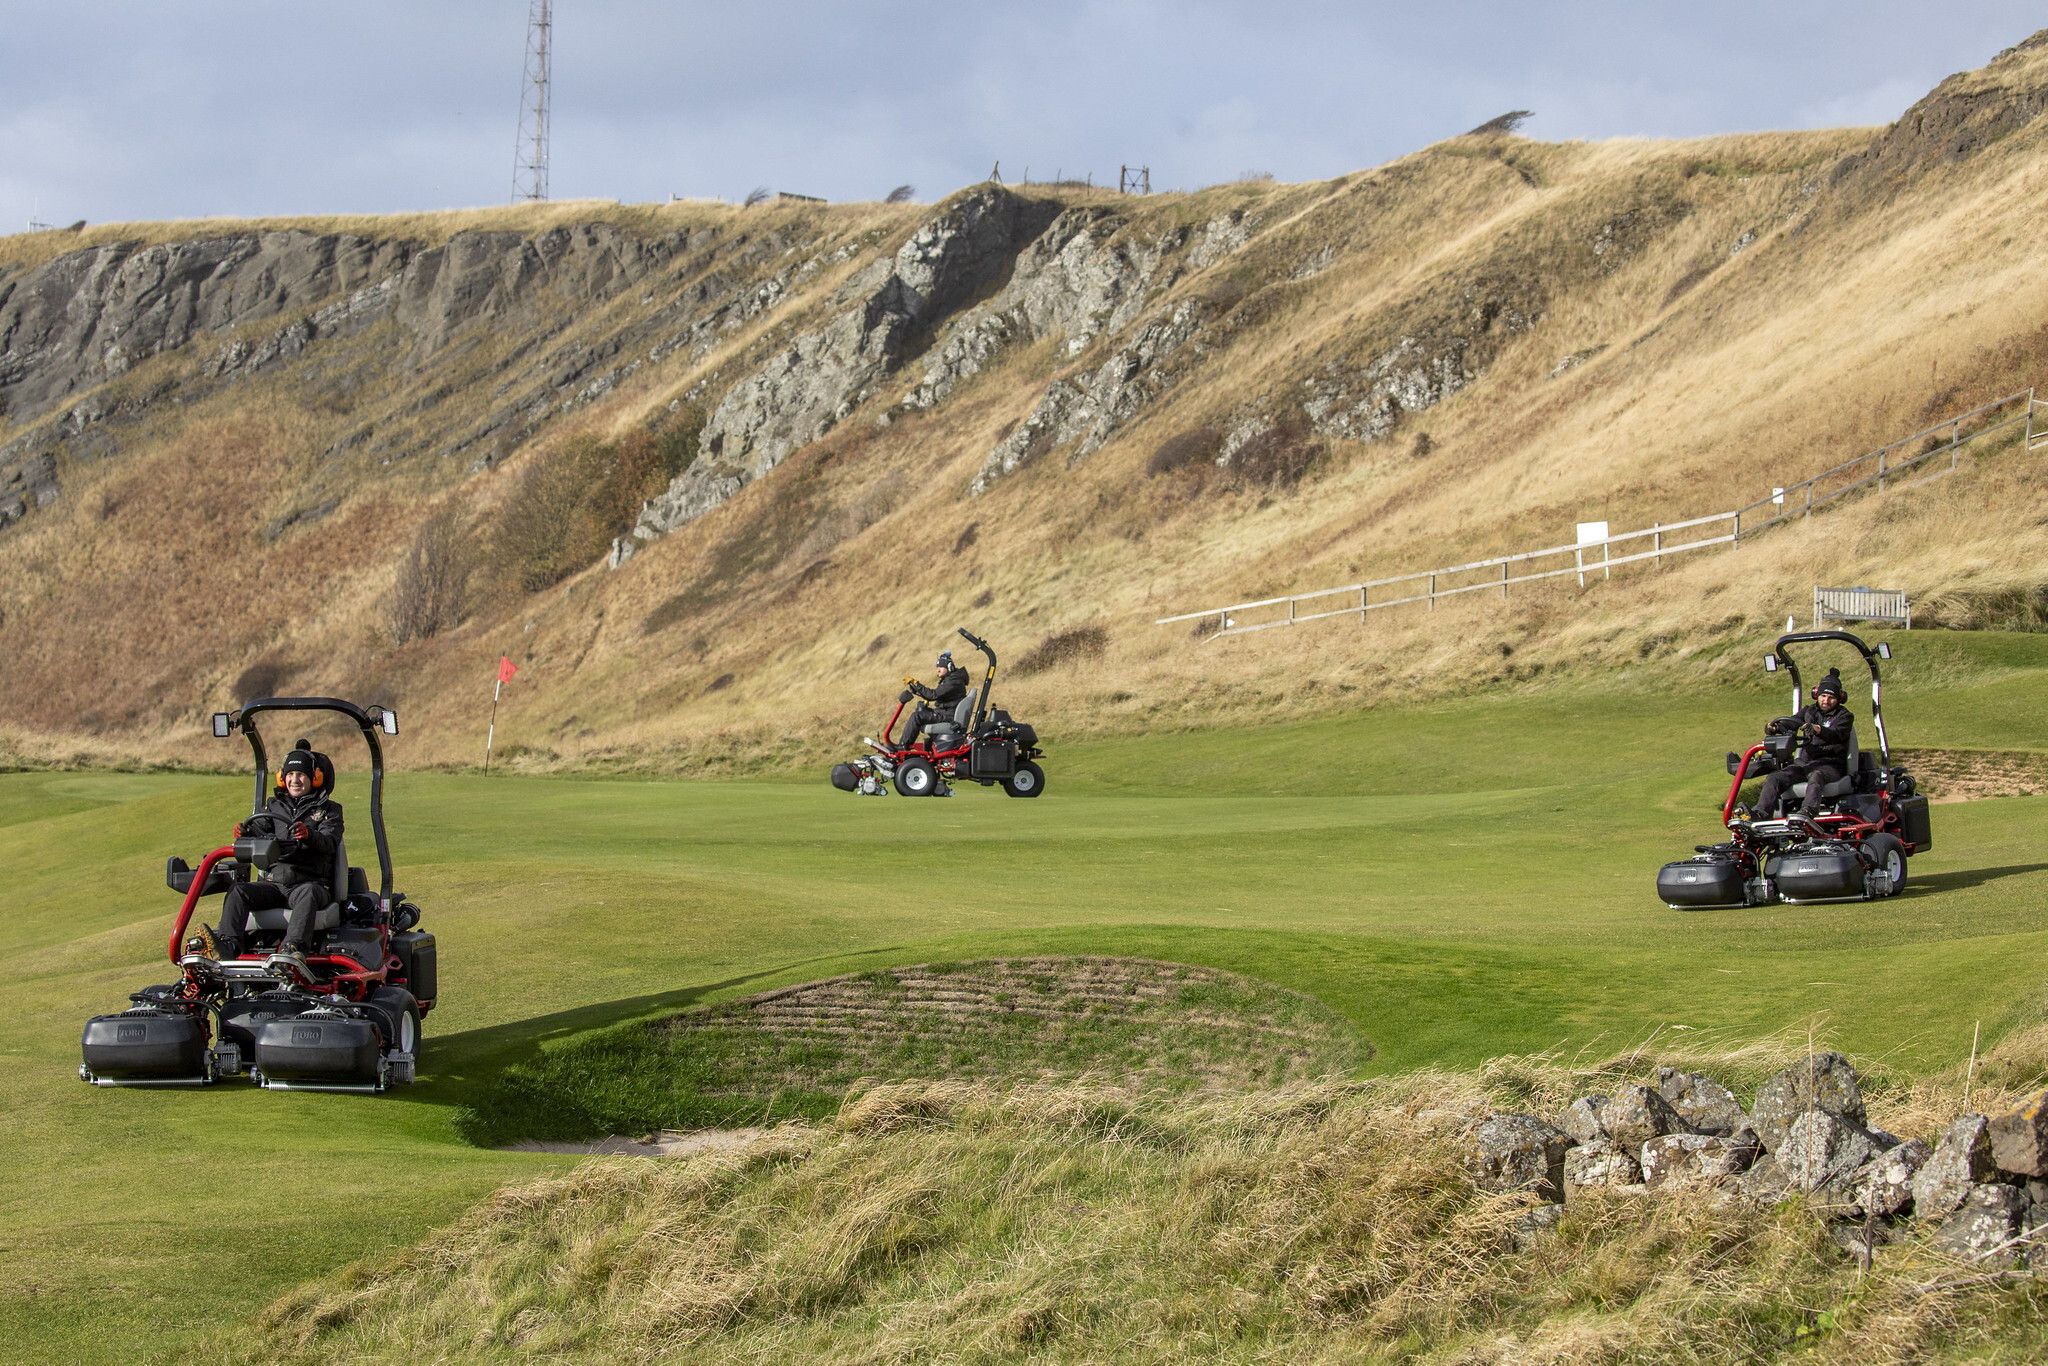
(1657, 544)
(1364, 602)
(1290, 611)
(1503, 580)
(1432, 592)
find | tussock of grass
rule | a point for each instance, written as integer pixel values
(951, 1222)
(1154, 1027)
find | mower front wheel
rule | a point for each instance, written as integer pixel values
(1890, 856)
(1027, 781)
(916, 778)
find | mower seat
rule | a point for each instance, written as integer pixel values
(947, 730)
(326, 918)
(1811, 800)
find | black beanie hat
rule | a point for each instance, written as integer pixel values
(1832, 683)
(304, 760)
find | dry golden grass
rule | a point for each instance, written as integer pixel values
(1862, 305)
(944, 1221)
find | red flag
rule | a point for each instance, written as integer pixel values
(506, 668)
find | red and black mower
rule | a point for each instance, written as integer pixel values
(344, 1018)
(978, 743)
(1848, 840)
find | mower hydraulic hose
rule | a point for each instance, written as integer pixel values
(1735, 788)
(192, 895)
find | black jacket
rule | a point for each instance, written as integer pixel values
(1824, 736)
(947, 692)
(306, 860)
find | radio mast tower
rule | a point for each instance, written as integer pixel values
(530, 157)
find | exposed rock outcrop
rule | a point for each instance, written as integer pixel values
(1085, 412)
(820, 377)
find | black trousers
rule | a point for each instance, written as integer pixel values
(1778, 784)
(919, 719)
(303, 899)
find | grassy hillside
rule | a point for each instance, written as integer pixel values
(1456, 881)
(1460, 353)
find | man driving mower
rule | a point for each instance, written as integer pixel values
(1823, 728)
(943, 697)
(308, 821)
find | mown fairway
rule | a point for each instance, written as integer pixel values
(1460, 881)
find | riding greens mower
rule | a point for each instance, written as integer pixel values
(347, 1020)
(977, 744)
(1847, 841)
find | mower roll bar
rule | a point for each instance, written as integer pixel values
(370, 720)
(1781, 656)
(988, 680)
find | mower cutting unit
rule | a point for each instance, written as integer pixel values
(1847, 841)
(977, 743)
(349, 1020)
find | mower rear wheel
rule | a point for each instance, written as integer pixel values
(916, 778)
(1887, 853)
(1027, 781)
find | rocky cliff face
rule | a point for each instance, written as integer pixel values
(1065, 407)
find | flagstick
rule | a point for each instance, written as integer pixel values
(492, 733)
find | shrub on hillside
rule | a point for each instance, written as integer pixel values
(1279, 457)
(571, 502)
(1197, 446)
(432, 589)
(1065, 647)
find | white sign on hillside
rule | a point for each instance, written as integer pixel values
(1591, 533)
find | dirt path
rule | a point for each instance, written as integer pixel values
(666, 1143)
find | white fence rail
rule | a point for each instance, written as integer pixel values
(1879, 467)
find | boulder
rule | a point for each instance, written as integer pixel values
(1702, 1102)
(1821, 1154)
(1983, 1227)
(1821, 1081)
(1600, 1164)
(1697, 1159)
(2019, 1138)
(1960, 1161)
(1519, 1152)
(1765, 1183)
(1636, 1114)
(1883, 1188)
(1581, 1120)
(1530, 1227)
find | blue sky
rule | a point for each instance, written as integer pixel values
(142, 109)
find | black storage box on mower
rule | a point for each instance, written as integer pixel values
(146, 1046)
(1914, 825)
(1828, 873)
(992, 757)
(417, 956)
(1701, 882)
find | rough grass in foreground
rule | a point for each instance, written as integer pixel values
(949, 1222)
(1155, 1027)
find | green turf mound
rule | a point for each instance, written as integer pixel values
(1131, 1025)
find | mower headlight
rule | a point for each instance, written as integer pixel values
(222, 725)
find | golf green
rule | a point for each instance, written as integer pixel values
(1460, 880)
